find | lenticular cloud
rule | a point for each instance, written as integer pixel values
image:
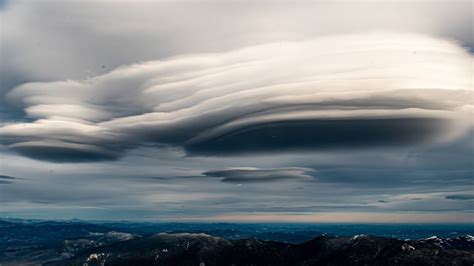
(344, 91)
(250, 174)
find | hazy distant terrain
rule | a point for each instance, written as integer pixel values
(126, 243)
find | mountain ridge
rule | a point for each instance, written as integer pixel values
(203, 249)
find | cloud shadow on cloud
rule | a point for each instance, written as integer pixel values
(322, 134)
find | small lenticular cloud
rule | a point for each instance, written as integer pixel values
(460, 197)
(250, 174)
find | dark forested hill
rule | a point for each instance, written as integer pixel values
(202, 249)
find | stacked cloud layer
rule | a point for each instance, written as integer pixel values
(343, 91)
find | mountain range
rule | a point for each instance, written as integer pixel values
(26, 242)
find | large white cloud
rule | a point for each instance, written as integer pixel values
(377, 89)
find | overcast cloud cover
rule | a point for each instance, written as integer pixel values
(187, 110)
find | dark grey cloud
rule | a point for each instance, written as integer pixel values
(6, 179)
(320, 135)
(64, 154)
(315, 208)
(395, 176)
(244, 175)
(460, 197)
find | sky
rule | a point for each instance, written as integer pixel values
(239, 111)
